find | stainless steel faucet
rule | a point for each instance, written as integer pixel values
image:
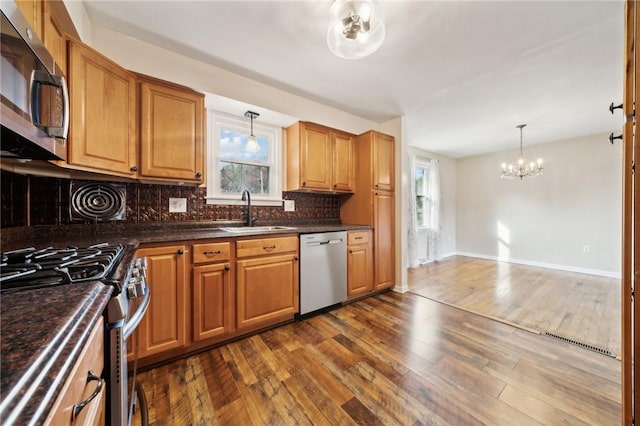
(246, 196)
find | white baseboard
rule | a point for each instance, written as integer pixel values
(598, 272)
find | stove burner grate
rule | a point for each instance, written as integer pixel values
(31, 268)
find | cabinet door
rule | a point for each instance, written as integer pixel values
(54, 38)
(359, 270)
(267, 290)
(343, 162)
(172, 133)
(383, 206)
(315, 157)
(383, 161)
(32, 12)
(163, 326)
(102, 131)
(212, 301)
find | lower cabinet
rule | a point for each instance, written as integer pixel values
(267, 281)
(164, 325)
(213, 293)
(359, 264)
(84, 385)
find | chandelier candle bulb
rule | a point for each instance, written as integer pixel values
(521, 167)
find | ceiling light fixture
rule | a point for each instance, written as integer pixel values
(521, 167)
(355, 32)
(252, 142)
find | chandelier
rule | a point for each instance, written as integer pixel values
(521, 167)
(355, 31)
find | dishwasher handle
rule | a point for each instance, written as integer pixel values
(322, 243)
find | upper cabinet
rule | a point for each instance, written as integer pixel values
(319, 158)
(102, 131)
(54, 37)
(129, 125)
(383, 160)
(171, 132)
(32, 12)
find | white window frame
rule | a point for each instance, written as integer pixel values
(425, 164)
(217, 120)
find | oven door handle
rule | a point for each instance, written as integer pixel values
(135, 319)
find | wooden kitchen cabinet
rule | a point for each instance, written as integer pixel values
(213, 293)
(79, 388)
(359, 263)
(102, 130)
(164, 325)
(171, 132)
(319, 158)
(373, 202)
(267, 281)
(54, 37)
(32, 10)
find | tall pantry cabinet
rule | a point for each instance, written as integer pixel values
(373, 202)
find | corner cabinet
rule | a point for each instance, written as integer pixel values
(319, 158)
(102, 127)
(164, 325)
(267, 281)
(373, 202)
(171, 132)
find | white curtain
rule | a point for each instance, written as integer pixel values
(434, 251)
(432, 234)
(410, 213)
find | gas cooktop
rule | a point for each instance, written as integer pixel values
(30, 267)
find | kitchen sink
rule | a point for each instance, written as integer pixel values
(252, 229)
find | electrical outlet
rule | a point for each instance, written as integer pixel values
(586, 248)
(177, 205)
(289, 205)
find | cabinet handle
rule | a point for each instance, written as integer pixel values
(612, 107)
(77, 408)
(180, 251)
(375, 186)
(350, 251)
(295, 259)
(358, 238)
(212, 253)
(198, 175)
(269, 248)
(226, 267)
(613, 138)
(335, 185)
(133, 169)
(304, 183)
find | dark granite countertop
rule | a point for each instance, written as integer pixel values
(43, 333)
(44, 330)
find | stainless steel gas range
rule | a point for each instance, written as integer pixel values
(31, 268)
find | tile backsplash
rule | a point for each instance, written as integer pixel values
(33, 200)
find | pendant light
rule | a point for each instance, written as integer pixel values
(252, 142)
(521, 167)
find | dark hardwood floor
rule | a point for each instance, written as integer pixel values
(392, 359)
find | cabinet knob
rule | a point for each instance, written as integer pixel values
(304, 183)
(133, 169)
(226, 267)
(375, 186)
(295, 259)
(198, 175)
(612, 107)
(613, 138)
(180, 251)
(350, 251)
(335, 185)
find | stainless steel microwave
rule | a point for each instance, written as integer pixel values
(34, 107)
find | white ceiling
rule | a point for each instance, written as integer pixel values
(462, 73)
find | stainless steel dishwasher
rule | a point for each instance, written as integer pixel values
(323, 270)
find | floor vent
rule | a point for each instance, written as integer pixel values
(582, 345)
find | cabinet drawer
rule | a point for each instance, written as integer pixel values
(77, 388)
(211, 252)
(264, 246)
(357, 237)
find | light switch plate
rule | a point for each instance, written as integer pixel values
(289, 205)
(177, 205)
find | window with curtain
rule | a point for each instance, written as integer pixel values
(421, 176)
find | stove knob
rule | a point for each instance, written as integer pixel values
(131, 291)
(135, 272)
(141, 287)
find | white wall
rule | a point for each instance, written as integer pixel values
(545, 220)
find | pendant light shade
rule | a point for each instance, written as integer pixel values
(252, 142)
(355, 31)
